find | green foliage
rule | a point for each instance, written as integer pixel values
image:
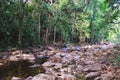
(93, 19)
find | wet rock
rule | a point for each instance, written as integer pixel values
(92, 75)
(43, 77)
(108, 76)
(16, 78)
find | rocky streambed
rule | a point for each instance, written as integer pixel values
(96, 62)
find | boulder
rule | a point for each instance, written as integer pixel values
(14, 58)
(16, 78)
(35, 66)
(48, 64)
(29, 78)
(64, 76)
(79, 68)
(89, 62)
(43, 77)
(108, 76)
(94, 67)
(92, 75)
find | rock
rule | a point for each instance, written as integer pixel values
(43, 77)
(13, 58)
(77, 57)
(79, 68)
(34, 66)
(56, 58)
(1, 64)
(58, 65)
(92, 75)
(98, 78)
(77, 48)
(64, 76)
(61, 54)
(64, 49)
(29, 78)
(51, 71)
(106, 60)
(48, 64)
(94, 67)
(68, 69)
(16, 78)
(89, 62)
(65, 60)
(108, 76)
(29, 57)
(51, 48)
(86, 69)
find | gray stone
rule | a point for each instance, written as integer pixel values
(108, 76)
(13, 58)
(64, 76)
(89, 62)
(29, 78)
(34, 66)
(16, 78)
(92, 75)
(43, 77)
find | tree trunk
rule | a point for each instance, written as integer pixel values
(54, 33)
(20, 23)
(47, 30)
(39, 27)
(73, 24)
(92, 31)
(21, 20)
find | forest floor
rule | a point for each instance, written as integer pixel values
(63, 62)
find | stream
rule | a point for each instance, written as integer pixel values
(19, 69)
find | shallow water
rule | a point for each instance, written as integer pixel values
(19, 69)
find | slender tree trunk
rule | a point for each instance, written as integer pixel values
(39, 28)
(92, 31)
(20, 23)
(54, 33)
(47, 30)
(21, 20)
(73, 24)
